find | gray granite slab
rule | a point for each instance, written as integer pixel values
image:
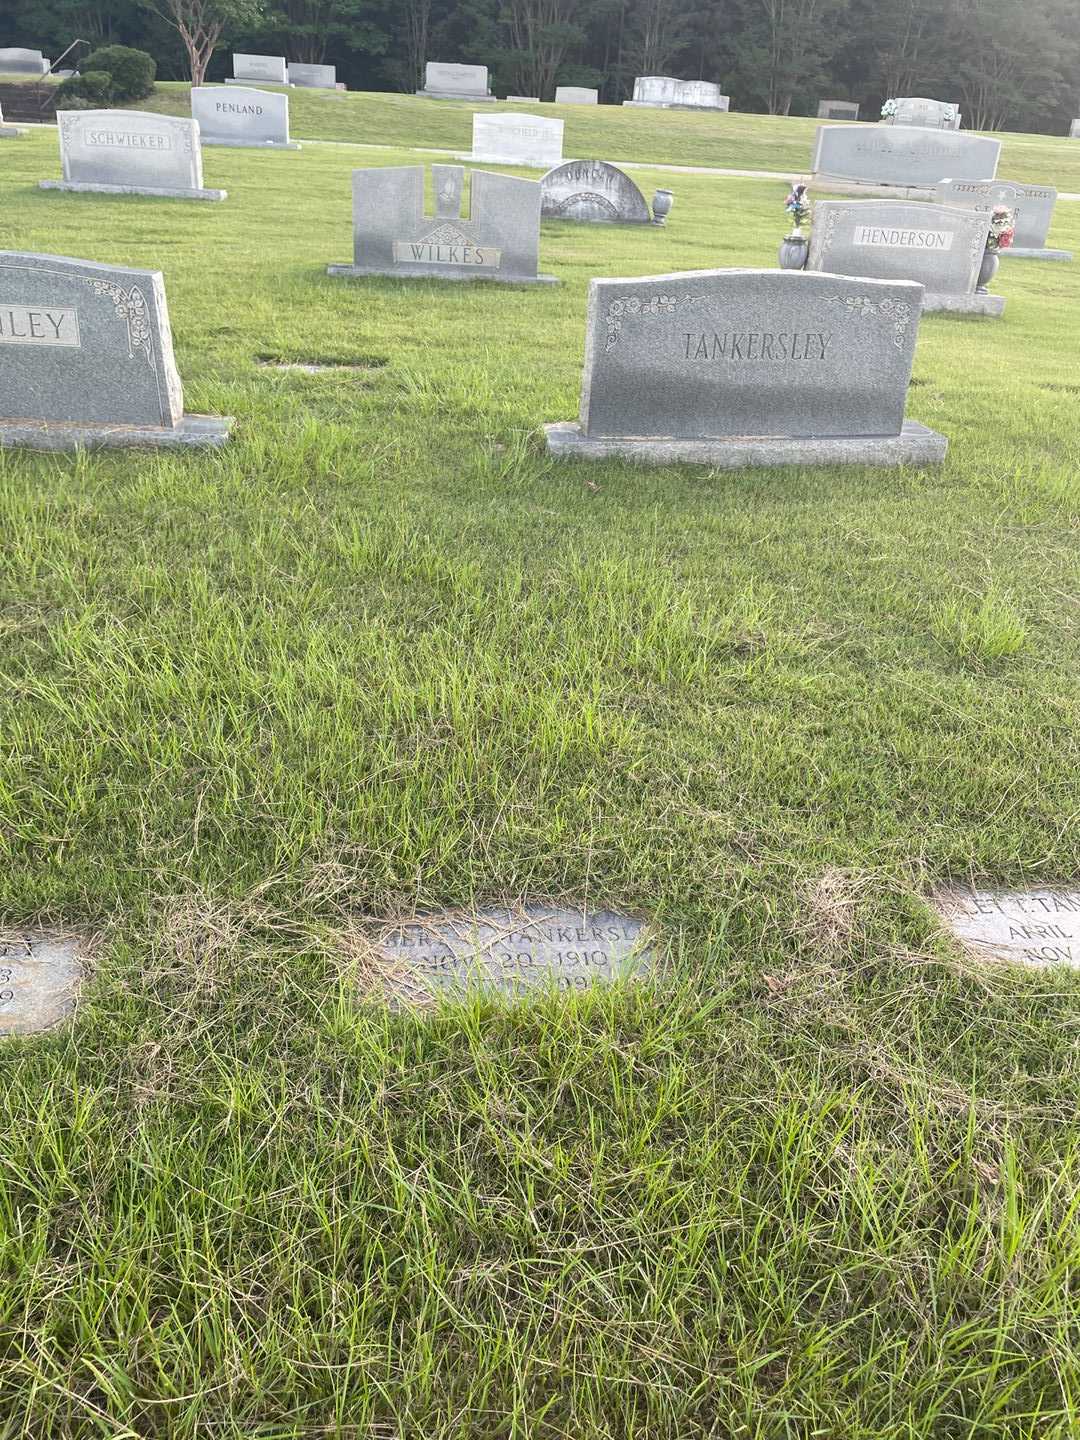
(938, 246)
(84, 345)
(271, 69)
(507, 952)
(39, 979)
(667, 93)
(838, 110)
(531, 140)
(1039, 927)
(499, 240)
(1032, 207)
(901, 155)
(16, 61)
(925, 114)
(250, 119)
(313, 77)
(191, 432)
(576, 95)
(443, 81)
(1074, 130)
(131, 152)
(592, 190)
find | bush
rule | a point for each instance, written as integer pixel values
(85, 92)
(132, 71)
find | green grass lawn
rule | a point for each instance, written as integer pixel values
(380, 653)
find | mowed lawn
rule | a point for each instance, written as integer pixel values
(381, 654)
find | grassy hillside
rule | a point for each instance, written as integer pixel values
(382, 653)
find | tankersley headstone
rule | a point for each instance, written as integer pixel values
(456, 82)
(500, 240)
(86, 358)
(923, 113)
(131, 152)
(940, 247)
(896, 159)
(313, 77)
(1032, 209)
(576, 95)
(9, 132)
(592, 190)
(267, 69)
(532, 140)
(838, 110)
(252, 119)
(732, 368)
(667, 93)
(1027, 927)
(23, 62)
(505, 952)
(39, 979)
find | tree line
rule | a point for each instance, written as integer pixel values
(1010, 64)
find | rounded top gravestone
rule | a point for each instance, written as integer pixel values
(592, 190)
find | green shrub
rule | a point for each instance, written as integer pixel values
(132, 71)
(85, 91)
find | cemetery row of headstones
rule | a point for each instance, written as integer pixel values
(276, 70)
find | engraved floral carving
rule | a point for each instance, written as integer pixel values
(655, 305)
(898, 311)
(131, 307)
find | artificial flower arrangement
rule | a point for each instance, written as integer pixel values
(1002, 228)
(889, 109)
(798, 207)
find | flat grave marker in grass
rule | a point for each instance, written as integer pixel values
(131, 152)
(730, 368)
(250, 119)
(940, 246)
(592, 190)
(392, 235)
(39, 978)
(508, 952)
(1027, 927)
(86, 359)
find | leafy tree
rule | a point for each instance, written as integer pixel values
(201, 25)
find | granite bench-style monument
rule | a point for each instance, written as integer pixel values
(259, 70)
(250, 119)
(939, 247)
(595, 191)
(313, 77)
(664, 92)
(86, 359)
(1032, 207)
(923, 113)
(532, 140)
(456, 82)
(500, 240)
(838, 110)
(576, 95)
(898, 161)
(733, 368)
(131, 152)
(23, 62)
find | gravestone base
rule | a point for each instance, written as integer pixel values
(915, 445)
(434, 272)
(84, 186)
(1029, 252)
(980, 303)
(672, 105)
(457, 95)
(194, 432)
(252, 145)
(258, 85)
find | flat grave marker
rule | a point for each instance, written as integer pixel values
(130, 152)
(592, 190)
(39, 980)
(1039, 927)
(86, 359)
(732, 368)
(894, 159)
(535, 141)
(247, 119)
(1032, 207)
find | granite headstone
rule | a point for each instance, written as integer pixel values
(838, 110)
(267, 69)
(250, 119)
(664, 92)
(23, 62)
(898, 158)
(940, 247)
(532, 140)
(500, 239)
(924, 114)
(576, 95)
(592, 190)
(1074, 130)
(1032, 207)
(313, 77)
(731, 368)
(443, 81)
(86, 358)
(39, 980)
(1027, 927)
(131, 152)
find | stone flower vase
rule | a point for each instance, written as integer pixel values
(662, 202)
(794, 249)
(989, 268)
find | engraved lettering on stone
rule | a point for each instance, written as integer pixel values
(758, 345)
(47, 325)
(1029, 927)
(897, 238)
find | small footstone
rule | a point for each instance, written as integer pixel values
(39, 975)
(507, 952)
(1026, 927)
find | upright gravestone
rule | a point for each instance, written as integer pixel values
(260, 69)
(664, 92)
(899, 161)
(131, 152)
(922, 113)
(86, 358)
(456, 82)
(1032, 208)
(592, 190)
(1074, 130)
(576, 95)
(531, 140)
(23, 62)
(9, 132)
(939, 247)
(251, 119)
(732, 368)
(838, 110)
(313, 77)
(392, 236)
